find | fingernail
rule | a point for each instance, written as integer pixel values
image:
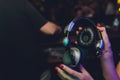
(62, 66)
(56, 69)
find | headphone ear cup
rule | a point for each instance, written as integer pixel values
(72, 57)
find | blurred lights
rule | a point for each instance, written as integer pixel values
(119, 9)
(118, 1)
(66, 41)
(118, 6)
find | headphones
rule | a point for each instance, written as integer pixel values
(89, 40)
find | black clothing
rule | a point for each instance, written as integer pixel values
(19, 43)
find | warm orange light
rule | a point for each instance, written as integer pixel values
(118, 1)
(118, 9)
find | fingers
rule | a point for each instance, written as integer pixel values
(104, 34)
(71, 71)
(107, 44)
(67, 73)
(78, 31)
(62, 74)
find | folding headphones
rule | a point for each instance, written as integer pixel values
(89, 41)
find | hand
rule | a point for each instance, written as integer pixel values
(107, 51)
(67, 73)
(107, 62)
(50, 28)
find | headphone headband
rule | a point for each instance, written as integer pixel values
(70, 26)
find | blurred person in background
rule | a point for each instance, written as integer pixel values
(83, 11)
(21, 55)
(78, 11)
(108, 7)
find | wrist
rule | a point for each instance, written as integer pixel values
(108, 66)
(107, 54)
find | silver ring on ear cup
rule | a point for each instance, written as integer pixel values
(86, 37)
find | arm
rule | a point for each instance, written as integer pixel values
(50, 28)
(107, 61)
(39, 22)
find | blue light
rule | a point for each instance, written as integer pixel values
(71, 26)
